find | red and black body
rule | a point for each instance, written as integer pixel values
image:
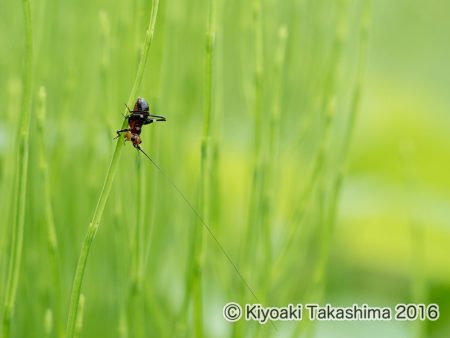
(139, 116)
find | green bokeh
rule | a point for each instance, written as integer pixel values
(389, 241)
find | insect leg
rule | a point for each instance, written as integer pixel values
(130, 111)
(121, 131)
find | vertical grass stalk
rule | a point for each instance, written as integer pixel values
(249, 248)
(20, 185)
(354, 108)
(330, 211)
(329, 218)
(328, 110)
(249, 244)
(48, 323)
(205, 168)
(325, 230)
(135, 299)
(135, 304)
(80, 317)
(255, 189)
(271, 159)
(6, 172)
(52, 240)
(106, 189)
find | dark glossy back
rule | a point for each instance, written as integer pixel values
(141, 105)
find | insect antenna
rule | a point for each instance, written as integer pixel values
(211, 233)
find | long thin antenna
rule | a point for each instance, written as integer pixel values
(203, 223)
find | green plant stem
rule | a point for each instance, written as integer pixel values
(354, 108)
(325, 229)
(328, 221)
(135, 315)
(52, 239)
(327, 110)
(205, 167)
(249, 248)
(80, 317)
(256, 183)
(104, 194)
(135, 298)
(20, 191)
(271, 160)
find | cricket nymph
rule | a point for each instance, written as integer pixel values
(139, 116)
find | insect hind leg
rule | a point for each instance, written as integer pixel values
(120, 131)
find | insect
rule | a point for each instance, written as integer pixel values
(139, 116)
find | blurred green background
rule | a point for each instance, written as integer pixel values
(303, 216)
